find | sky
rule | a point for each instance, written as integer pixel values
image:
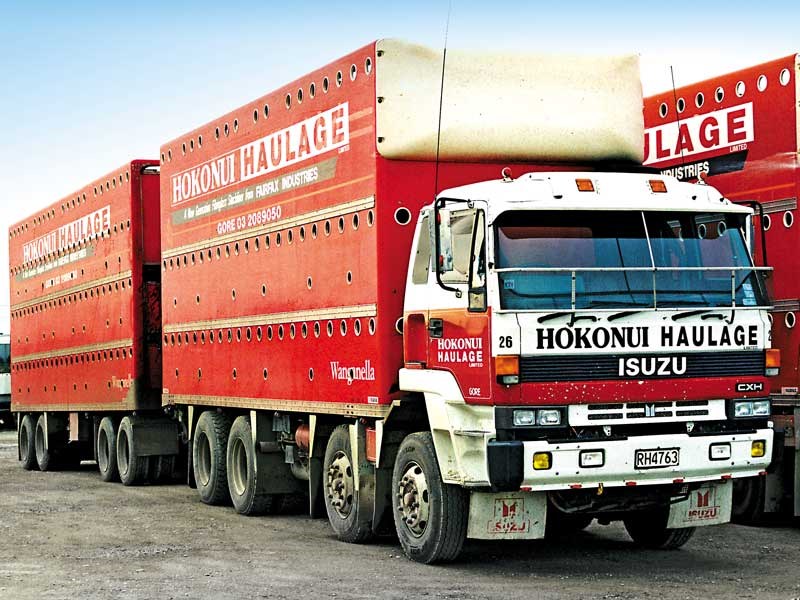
(86, 86)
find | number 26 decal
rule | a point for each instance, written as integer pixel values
(506, 341)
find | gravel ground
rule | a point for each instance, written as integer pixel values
(69, 535)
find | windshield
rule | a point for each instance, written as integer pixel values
(700, 259)
(5, 357)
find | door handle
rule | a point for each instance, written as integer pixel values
(436, 328)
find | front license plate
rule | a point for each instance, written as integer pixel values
(658, 458)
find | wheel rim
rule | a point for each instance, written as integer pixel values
(239, 464)
(103, 451)
(24, 441)
(340, 485)
(203, 459)
(39, 442)
(413, 499)
(123, 457)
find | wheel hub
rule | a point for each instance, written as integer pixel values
(413, 499)
(341, 484)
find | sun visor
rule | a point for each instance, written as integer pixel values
(515, 107)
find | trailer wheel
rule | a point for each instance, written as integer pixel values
(45, 457)
(649, 530)
(107, 450)
(243, 477)
(208, 457)
(341, 499)
(133, 469)
(430, 516)
(27, 443)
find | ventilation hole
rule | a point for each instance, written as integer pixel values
(341, 224)
(290, 236)
(236, 124)
(372, 326)
(216, 132)
(788, 219)
(327, 227)
(302, 233)
(349, 277)
(199, 140)
(300, 96)
(308, 282)
(255, 115)
(784, 77)
(266, 111)
(325, 85)
(280, 332)
(681, 105)
(266, 241)
(663, 109)
(239, 335)
(761, 83)
(263, 289)
(402, 216)
(248, 334)
(343, 327)
(371, 218)
(236, 248)
(292, 331)
(226, 129)
(265, 374)
(339, 78)
(230, 336)
(269, 333)
(219, 336)
(770, 319)
(288, 101)
(311, 374)
(790, 320)
(357, 327)
(256, 243)
(330, 328)
(234, 373)
(312, 90)
(227, 251)
(233, 294)
(316, 329)
(353, 72)
(766, 222)
(719, 94)
(741, 88)
(368, 66)
(314, 231)
(355, 221)
(304, 330)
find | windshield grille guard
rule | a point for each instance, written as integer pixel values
(652, 269)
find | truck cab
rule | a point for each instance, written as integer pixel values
(599, 340)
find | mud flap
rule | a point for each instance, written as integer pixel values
(507, 515)
(706, 505)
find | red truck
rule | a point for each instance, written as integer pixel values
(740, 132)
(481, 321)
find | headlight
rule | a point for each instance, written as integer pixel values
(761, 408)
(591, 458)
(719, 451)
(524, 418)
(549, 417)
(537, 417)
(751, 408)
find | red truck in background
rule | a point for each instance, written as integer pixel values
(483, 323)
(740, 132)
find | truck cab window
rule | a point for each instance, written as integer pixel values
(422, 259)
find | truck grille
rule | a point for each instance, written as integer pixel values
(606, 366)
(624, 413)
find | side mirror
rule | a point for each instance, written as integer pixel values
(445, 258)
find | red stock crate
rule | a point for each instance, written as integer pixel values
(84, 306)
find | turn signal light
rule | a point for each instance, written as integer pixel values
(585, 185)
(657, 186)
(758, 449)
(507, 369)
(773, 364)
(541, 461)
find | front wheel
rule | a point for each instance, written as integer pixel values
(649, 530)
(430, 516)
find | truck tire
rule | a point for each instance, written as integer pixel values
(107, 450)
(243, 477)
(649, 530)
(208, 457)
(133, 469)
(45, 456)
(338, 483)
(430, 516)
(749, 496)
(27, 443)
(162, 468)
